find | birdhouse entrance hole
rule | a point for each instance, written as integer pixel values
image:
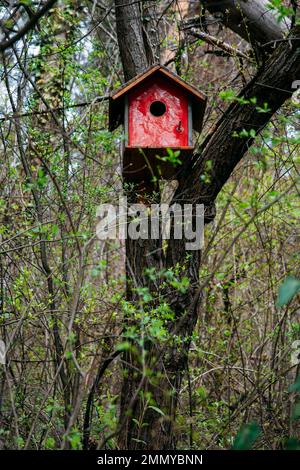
(158, 108)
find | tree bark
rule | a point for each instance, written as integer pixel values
(167, 361)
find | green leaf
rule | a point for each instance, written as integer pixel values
(20, 441)
(54, 229)
(246, 437)
(228, 95)
(50, 443)
(201, 392)
(68, 354)
(139, 440)
(288, 289)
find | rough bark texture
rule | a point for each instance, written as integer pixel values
(272, 84)
(253, 20)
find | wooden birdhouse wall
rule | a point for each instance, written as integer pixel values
(158, 114)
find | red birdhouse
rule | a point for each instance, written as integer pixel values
(159, 111)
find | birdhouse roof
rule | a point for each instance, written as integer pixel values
(116, 102)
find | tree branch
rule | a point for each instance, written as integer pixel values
(253, 20)
(28, 26)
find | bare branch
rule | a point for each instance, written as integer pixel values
(212, 40)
